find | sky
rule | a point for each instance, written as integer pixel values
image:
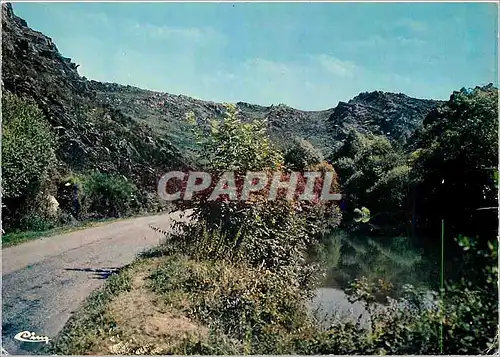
(306, 55)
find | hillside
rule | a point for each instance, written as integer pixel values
(87, 129)
(396, 116)
(91, 115)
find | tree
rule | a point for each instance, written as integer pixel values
(455, 166)
(263, 232)
(374, 174)
(237, 146)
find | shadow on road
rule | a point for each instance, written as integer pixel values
(101, 273)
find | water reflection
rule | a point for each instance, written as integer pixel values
(347, 257)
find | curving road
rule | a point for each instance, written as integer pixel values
(46, 280)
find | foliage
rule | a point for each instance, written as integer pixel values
(391, 189)
(258, 233)
(374, 174)
(35, 222)
(263, 232)
(108, 195)
(467, 314)
(455, 164)
(252, 310)
(235, 146)
(362, 215)
(28, 156)
(302, 155)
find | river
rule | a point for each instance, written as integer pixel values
(347, 257)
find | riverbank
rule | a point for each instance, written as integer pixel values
(172, 304)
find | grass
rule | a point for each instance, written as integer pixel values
(125, 317)
(173, 304)
(176, 305)
(169, 303)
(14, 238)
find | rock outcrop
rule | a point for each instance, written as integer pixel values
(396, 116)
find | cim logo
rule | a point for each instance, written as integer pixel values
(27, 336)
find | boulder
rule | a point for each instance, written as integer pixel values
(52, 205)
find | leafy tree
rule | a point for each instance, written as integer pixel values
(374, 174)
(259, 231)
(455, 165)
(233, 145)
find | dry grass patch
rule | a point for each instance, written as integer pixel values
(145, 324)
(125, 317)
(141, 315)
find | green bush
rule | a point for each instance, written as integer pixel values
(36, 223)
(274, 234)
(454, 168)
(107, 195)
(28, 146)
(375, 175)
(232, 145)
(303, 154)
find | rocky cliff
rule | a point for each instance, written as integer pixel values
(396, 116)
(92, 134)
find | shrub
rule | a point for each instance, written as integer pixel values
(274, 234)
(36, 223)
(303, 154)
(235, 146)
(374, 175)
(108, 195)
(28, 154)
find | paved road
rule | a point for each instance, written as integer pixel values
(46, 280)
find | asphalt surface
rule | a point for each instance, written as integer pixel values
(44, 281)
